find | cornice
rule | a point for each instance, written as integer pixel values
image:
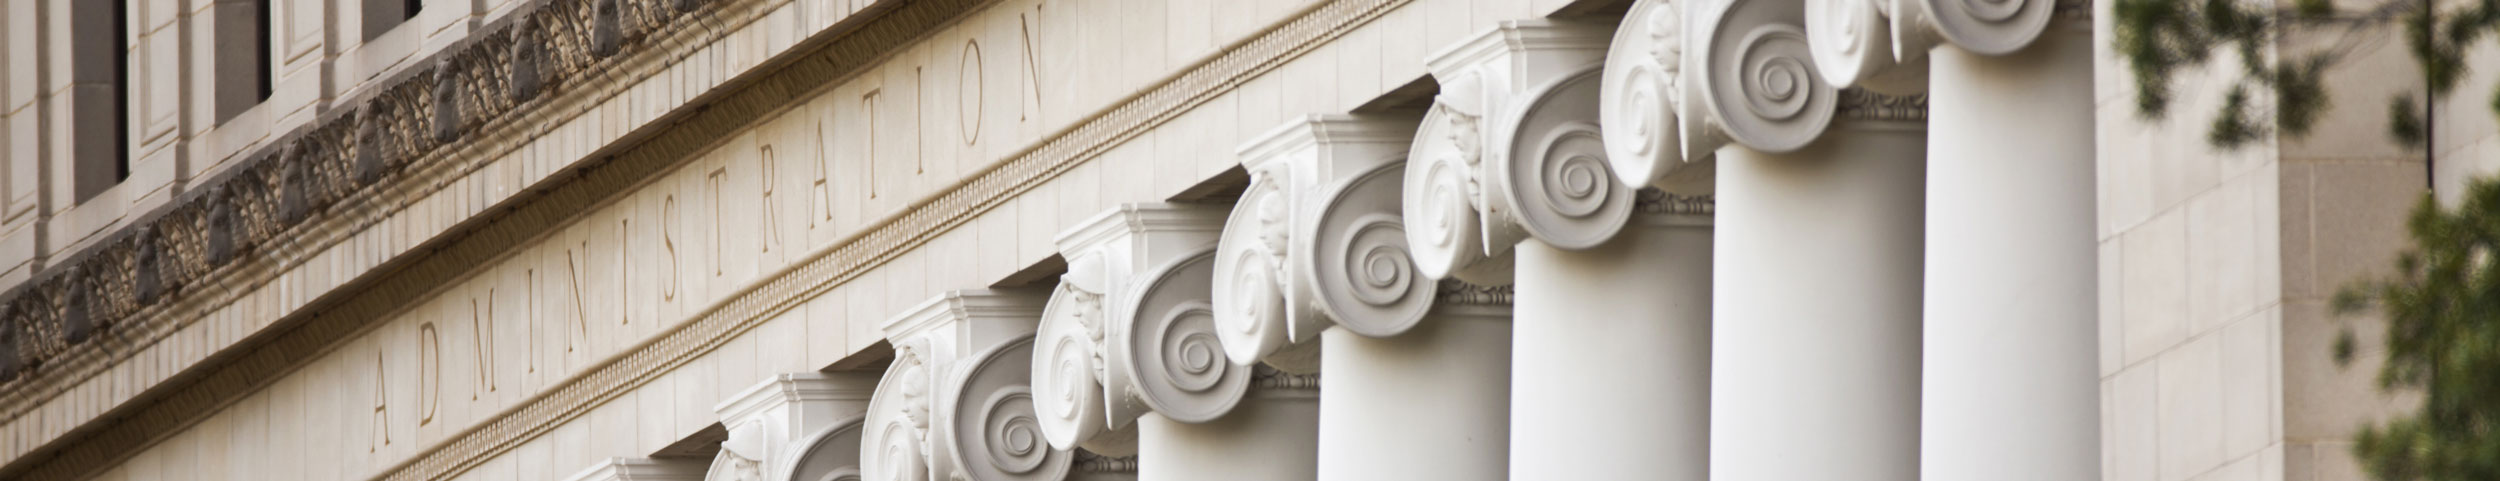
(1127, 221)
(963, 306)
(1516, 36)
(642, 469)
(784, 389)
(313, 189)
(747, 307)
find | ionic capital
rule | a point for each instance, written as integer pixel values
(1316, 241)
(1882, 45)
(765, 420)
(1511, 151)
(944, 375)
(1131, 329)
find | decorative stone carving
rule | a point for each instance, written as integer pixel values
(733, 465)
(1646, 98)
(1882, 45)
(829, 454)
(222, 227)
(766, 421)
(956, 402)
(447, 112)
(147, 270)
(1316, 241)
(295, 185)
(1131, 329)
(1510, 151)
(1758, 85)
(997, 434)
(607, 33)
(76, 322)
(528, 54)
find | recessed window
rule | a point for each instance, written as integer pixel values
(382, 15)
(243, 53)
(99, 98)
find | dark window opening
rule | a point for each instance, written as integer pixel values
(98, 98)
(383, 15)
(121, 94)
(243, 56)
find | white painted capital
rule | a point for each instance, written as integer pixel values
(642, 469)
(1131, 329)
(939, 347)
(1511, 151)
(766, 419)
(1316, 241)
(1646, 85)
(1882, 45)
(830, 454)
(1755, 81)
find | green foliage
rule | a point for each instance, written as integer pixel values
(2160, 38)
(2442, 340)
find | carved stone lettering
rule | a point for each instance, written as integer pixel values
(668, 239)
(868, 108)
(968, 92)
(822, 192)
(581, 310)
(920, 102)
(1032, 71)
(714, 183)
(381, 407)
(625, 268)
(772, 229)
(429, 372)
(482, 337)
(529, 277)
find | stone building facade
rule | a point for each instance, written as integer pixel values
(1170, 240)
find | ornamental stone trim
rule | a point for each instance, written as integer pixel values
(208, 235)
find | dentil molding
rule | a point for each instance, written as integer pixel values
(1317, 241)
(1131, 329)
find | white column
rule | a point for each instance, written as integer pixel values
(1313, 273)
(2011, 388)
(1510, 181)
(1127, 359)
(1815, 350)
(1272, 435)
(1613, 356)
(1431, 403)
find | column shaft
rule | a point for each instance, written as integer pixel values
(1612, 356)
(1430, 404)
(1272, 436)
(2011, 298)
(1815, 348)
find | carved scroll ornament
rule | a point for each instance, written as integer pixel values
(1882, 45)
(1501, 160)
(1109, 352)
(1317, 241)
